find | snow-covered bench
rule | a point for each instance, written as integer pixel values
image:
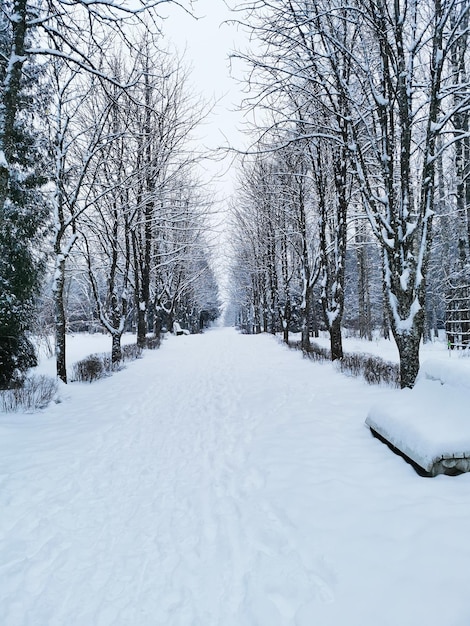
(177, 330)
(429, 425)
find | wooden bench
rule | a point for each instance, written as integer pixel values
(177, 330)
(429, 425)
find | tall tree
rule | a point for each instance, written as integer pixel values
(79, 135)
(383, 70)
(105, 221)
(164, 117)
(30, 28)
(400, 63)
(23, 206)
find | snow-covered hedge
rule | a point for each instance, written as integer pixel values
(96, 366)
(376, 371)
(34, 393)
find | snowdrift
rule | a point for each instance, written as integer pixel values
(429, 425)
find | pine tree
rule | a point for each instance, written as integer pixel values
(23, 209)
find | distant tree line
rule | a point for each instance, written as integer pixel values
(354, 201)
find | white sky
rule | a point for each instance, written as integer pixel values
(208, 42)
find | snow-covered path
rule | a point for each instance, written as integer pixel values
(223, 481)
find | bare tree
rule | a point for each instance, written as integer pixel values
(52, 29)
(79, 136)
(400, 63)
(274, 218)
(164, 116)
(106, 228)
(383, 72)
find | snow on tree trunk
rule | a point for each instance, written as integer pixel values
(116, 351)
(408, 350)
(305, 317)
(363, 283)
(285, 316)
(333, 233)
(397, 188)
(141, 325)
(60, 321)
(336, 342)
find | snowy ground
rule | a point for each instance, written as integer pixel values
(223, 481)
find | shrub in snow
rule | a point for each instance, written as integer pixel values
(92, 368)
(352, 364)
(317, 353)
(130, 352)
(34, 393)
(314, 351)
(152, 343)
(375, 370)
(96, 366)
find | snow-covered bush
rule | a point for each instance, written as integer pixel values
(314, 351)
(375, 370)
(130, 352)
(92, 368)
(96, 366)
(34, 393)
(152, 343)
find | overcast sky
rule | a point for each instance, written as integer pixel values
(208, 42)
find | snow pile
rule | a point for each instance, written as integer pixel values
(430, 424)
(448, 372)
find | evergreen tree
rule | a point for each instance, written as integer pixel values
(23, 209)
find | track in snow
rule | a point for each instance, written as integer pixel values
(219, 481)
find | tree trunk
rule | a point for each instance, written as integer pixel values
(408, 349)
(157, 322)
(286, 321)
(315, 326)
(60, 322)
(305, 319)
(385, 321)
(256, 308)
(286, 333)
(305, 338)
(365, 318)
(265, 312)
(139, 303)
(116, 351)
(336, 341)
